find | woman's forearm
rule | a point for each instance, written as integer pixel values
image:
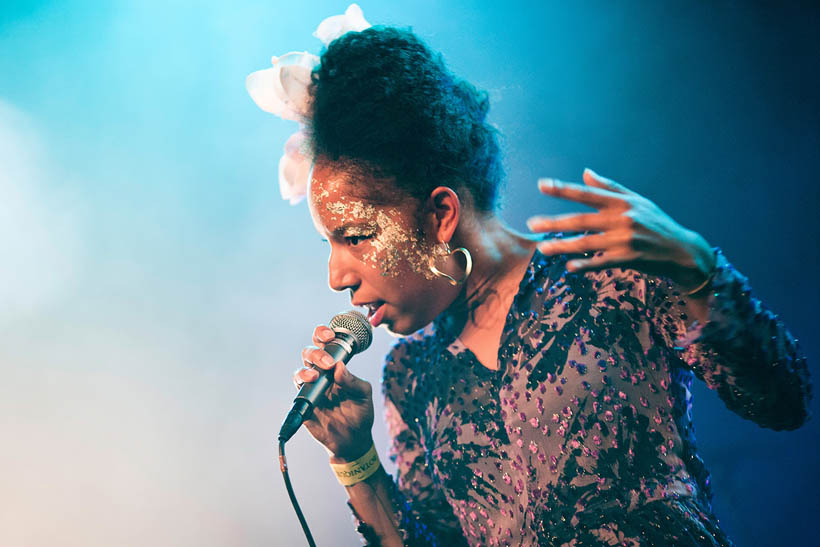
(745, 352)
(371, 501)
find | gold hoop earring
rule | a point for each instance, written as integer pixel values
(468, 267)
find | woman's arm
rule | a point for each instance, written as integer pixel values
(343, 423)
(740, 349)
(372, 504)
(413, 505)
(725, 334)
(409, 511)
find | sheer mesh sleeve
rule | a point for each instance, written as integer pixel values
(421, 511)
(743, 351)
(424, 515)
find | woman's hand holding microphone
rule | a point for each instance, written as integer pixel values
(343, 419)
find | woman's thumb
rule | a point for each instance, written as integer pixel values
(347, 380)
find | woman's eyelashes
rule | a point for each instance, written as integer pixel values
(354, 240)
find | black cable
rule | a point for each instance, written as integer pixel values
(283, 466)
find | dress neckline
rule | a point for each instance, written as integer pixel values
(448, 339)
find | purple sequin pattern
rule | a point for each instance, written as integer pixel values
(584, 435)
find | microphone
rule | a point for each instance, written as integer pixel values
(353, 335)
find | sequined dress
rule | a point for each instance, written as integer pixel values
(584, 435)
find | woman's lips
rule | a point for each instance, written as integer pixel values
(376, 314)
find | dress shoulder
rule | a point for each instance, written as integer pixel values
(402, 366)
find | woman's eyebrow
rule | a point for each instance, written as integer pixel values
(357, 228)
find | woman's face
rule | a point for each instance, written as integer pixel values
(378, 251)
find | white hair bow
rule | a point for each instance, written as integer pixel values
(282, 90)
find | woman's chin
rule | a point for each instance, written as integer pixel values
(396, 330)
(402, 326)
(391, 332)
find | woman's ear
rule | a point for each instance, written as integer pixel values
(446, 209)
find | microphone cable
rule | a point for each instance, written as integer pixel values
(283, 466)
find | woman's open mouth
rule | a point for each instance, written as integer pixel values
(375, 313)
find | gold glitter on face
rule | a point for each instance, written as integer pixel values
(382, 235)
(393, 243)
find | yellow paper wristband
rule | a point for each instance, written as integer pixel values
(357, 470)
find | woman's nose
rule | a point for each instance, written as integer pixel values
(341, 274)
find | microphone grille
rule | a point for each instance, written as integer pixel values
(355, 323)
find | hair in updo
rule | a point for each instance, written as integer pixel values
(385, 103)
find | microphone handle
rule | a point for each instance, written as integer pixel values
(341, 350)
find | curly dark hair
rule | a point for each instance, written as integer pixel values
(383, 101)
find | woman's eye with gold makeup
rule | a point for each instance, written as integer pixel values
(355, 240)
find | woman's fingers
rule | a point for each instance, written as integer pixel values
(305, 375)
(616, 258)
(319, 357)
(588, 195)
(578, 222)
(315, 357)
(591, 178)
(584, 243)
(322, 335)
(628, 231)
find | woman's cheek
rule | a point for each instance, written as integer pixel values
(396, 250)
(383, 260)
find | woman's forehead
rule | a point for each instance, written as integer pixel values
(333, 194)
(338, 190)
(327, 184)
(351, 179)
(336, 203)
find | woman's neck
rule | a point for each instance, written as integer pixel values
(499, 253)
(500, 258)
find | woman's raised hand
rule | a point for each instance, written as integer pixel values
(627, 231)
(343, 419)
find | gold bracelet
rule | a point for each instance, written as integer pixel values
(709, 277)
(701, 286)
(357, 470)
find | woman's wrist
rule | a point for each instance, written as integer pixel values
(353, 452)
(700, 268)
(352, 472)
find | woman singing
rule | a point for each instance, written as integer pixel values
(540, 393)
